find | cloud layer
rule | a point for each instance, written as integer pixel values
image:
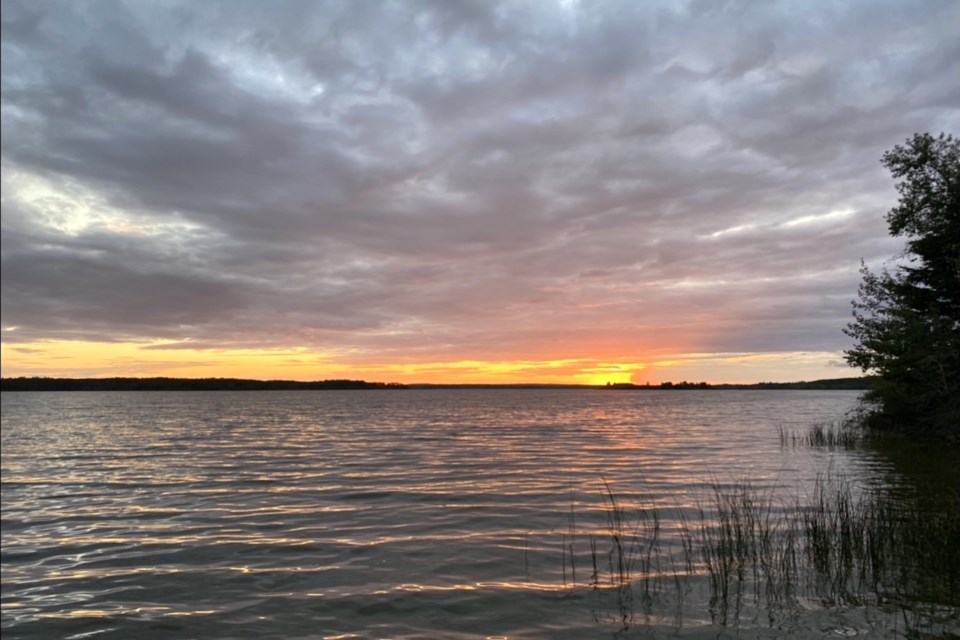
(437, 181)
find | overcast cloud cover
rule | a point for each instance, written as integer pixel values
(390, 182)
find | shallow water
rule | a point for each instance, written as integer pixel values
(379, 514)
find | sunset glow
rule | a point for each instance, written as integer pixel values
(100, 359)
(453, 193)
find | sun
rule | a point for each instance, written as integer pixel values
(601, 374)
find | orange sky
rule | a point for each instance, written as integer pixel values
(103, 359)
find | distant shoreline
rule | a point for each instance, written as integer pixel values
(183, 384)
(830, 384)
(238, 384)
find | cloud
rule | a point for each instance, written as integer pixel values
(459, 181)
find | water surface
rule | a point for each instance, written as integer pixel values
(372, 514)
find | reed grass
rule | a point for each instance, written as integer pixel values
(839, 547)
(877, 546)
(842, 434)
(747, 548)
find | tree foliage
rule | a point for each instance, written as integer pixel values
(906, 322)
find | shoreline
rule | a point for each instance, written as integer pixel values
(239, 384)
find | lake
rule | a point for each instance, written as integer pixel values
(441, 513)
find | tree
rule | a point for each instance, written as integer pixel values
(906, 323)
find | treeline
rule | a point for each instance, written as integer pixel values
(864, 383)
(182, 384)
(496, 385)
(835, 384)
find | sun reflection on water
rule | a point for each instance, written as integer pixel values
(318, 510)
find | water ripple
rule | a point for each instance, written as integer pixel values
(379, 514)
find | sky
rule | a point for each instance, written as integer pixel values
(440, 191)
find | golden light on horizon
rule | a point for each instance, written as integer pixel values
(609, 373)
(79, 359)
(163, 358)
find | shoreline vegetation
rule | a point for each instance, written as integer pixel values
(906, 319)
(880, 557)
(836, 548)
(182, 384)
(239, 384)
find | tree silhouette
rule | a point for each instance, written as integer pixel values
(907, 320)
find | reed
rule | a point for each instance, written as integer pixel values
(747, 548)
(877, 547)
(843, 434)
(634, 542)
(839, 547)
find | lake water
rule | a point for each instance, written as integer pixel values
(383, 514)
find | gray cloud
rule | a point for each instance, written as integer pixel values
(458, 180)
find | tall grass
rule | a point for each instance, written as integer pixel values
(876, 547)
(837, 547)
(748, 549)
(842, 434)
(625, 553)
